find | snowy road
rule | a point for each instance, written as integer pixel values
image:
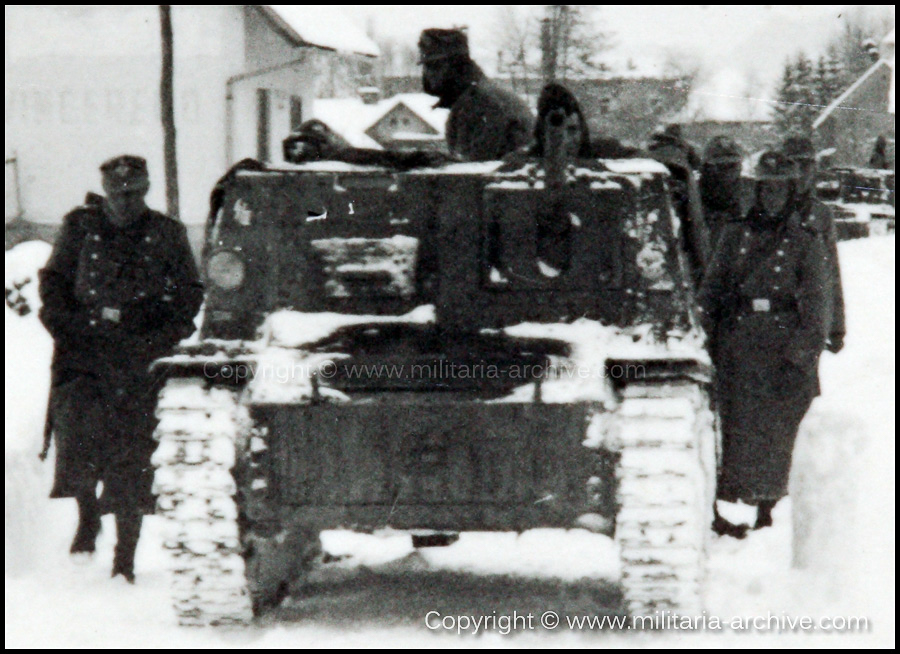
(846, 541)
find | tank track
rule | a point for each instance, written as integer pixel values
(200, 431)
(666, 487)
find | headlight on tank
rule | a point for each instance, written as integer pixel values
(226, 270)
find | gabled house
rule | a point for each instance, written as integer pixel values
(405, 121)
(864, 112)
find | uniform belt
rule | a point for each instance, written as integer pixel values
(767, 304)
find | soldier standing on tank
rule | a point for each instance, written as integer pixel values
(720, 184)
(486, 122)
(765, 309)
(119, 290)
(817, 217)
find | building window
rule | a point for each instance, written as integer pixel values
(604, 106)
(296, 112)
(262, 124)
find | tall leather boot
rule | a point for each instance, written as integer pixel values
(88, 523)
(764, 514)
(128, 530)
(723, 527)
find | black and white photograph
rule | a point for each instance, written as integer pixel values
(450, 326)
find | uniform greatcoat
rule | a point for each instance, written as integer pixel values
(764, 304)
(114, 299)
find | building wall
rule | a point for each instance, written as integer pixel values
(82, 85)
(852, 131)
(751, 135)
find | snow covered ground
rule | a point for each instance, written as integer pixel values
(843, 499)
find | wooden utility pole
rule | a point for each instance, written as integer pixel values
(167, 111)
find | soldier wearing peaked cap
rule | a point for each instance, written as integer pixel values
(720, 184)
(764, 308)
(817, 217)
(486, 122)
(119, 290)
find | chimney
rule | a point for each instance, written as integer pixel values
(369, 94)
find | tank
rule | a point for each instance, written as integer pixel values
(490, 346)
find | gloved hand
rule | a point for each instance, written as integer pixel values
(835, 343)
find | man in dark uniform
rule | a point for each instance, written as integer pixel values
(679, 156)
(817, 217)
(486, 122)
(119, 290)
(720, 184)
(764, 306)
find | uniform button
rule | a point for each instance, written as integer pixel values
(93, 273)
(147, 239)
(777, 268)
(92, 292)
(96, 237)
(780, 253)
(743, 251)
(93, 322)
(147, 259)
(94, 255)
(776, 288)
(141, 294)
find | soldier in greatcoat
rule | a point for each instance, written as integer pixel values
(720, 184)
(119, 290)
(764, 306)
(486, 122)
(817, 217)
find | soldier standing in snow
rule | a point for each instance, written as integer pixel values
(486, 122)
(818, 218)
(764, 306)
(720, 184)
(119, 290)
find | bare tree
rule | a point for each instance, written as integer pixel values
(560, 42)
(167, 110)
(571, 42)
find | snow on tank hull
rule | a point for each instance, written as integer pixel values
(553, 377)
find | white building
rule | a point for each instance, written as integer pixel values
(82, 85)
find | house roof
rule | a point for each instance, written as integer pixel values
(838, 103)
(321, 26)
(351, 117)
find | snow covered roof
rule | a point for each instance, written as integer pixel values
(420, 104)
(323, 26)
(351, 117)
(838, 103)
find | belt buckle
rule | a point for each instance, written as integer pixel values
(111, 314)
(761, 305)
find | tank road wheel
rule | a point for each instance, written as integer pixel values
(199, 432)
(666, 476)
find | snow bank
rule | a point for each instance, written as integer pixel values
(28, 352)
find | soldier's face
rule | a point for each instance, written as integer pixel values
(806, 174)
(571, 135)
(773, 195)
(125, 205)
(434, 76)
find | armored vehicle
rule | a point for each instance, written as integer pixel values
(862, 200)
(491, 346)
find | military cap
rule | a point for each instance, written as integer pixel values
(798, 148)
(722, 150)
(126, 172)
(436, 44)
(772, 164)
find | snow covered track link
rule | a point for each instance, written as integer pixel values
(666, 478)
(199, 431)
